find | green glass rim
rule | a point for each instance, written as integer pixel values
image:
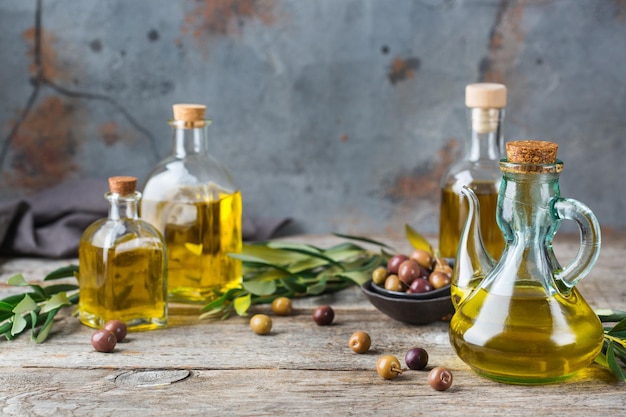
(517, 167)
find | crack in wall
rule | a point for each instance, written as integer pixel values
(40, 80)
(505, 40)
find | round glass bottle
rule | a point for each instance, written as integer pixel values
(123, 265)
(192, 199)
(479, 169)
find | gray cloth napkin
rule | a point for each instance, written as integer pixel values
(50, 223)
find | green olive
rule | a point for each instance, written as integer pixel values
(422, 257)
(360, 342)
(393, 283)
(388, 367)
(379, 275)
(281, 306)
(261, 324)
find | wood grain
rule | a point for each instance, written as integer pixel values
(222, 368)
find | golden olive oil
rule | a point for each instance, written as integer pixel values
(123, 282)
(453, 214)
(199, 236)
(528, 337)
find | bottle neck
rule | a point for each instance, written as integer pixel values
(525, 202)
(485, 141)
(123, 206)
(190, 141)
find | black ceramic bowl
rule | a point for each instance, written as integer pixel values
(440, 292)
(407, 309)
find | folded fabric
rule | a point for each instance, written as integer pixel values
(51, 222)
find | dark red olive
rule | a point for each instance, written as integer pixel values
(420, 285)
(394, 263)
(103, 341)
(118, 328)
(416, 358)
(409, 271)
(440, 378)
(323, 315)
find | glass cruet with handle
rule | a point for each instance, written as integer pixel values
(521, 319)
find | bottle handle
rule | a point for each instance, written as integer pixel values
(580, 266)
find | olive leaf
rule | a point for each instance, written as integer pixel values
(614, 346)
(242, 303)
(290, 269)
(615, 368)
(417, 240)
(37, 308)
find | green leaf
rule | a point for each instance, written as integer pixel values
(27, 304)
(315, 255)
(6, 306)
(55, 302)
(614, 366)
(17, 281)
(19, 324)
(364, 239)
(358, 277)
(222, 299)
(213, 313)
(242, 304)
(293, 245)
(600, 359)
(260, 287)
(608, 315)
(45, 329)
(318, 287)
(57, 288)
(416, 240)
(265, 254)
(291, 284)
(64, 272)
(621, 326)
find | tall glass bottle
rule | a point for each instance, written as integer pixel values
(479, 169)
(192, 199)
(123, 265)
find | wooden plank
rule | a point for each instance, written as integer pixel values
(300, 368)
(271, 392)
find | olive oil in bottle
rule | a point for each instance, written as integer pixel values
(193, 201)
(479, 169)
(198, 246)
(545, 338)
(122, 265)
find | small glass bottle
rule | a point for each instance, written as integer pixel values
(479, 169)
(123, 265)
(192, 199)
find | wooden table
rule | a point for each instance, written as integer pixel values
(222, 368)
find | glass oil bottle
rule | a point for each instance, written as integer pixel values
(526, 322)
(478, 169)
(123, 265)
(192, 199)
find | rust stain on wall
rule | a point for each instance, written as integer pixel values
(44, 146)
(621, 10)
(226, 17)
(402, 69)
(109, 133)
(50, 67)
(506, 40)
(423, 182)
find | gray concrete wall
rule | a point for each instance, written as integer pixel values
(342, 114)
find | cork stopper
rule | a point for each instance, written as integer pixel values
(123, 185)
(531, 152)
(189, 112)
(485, 95)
